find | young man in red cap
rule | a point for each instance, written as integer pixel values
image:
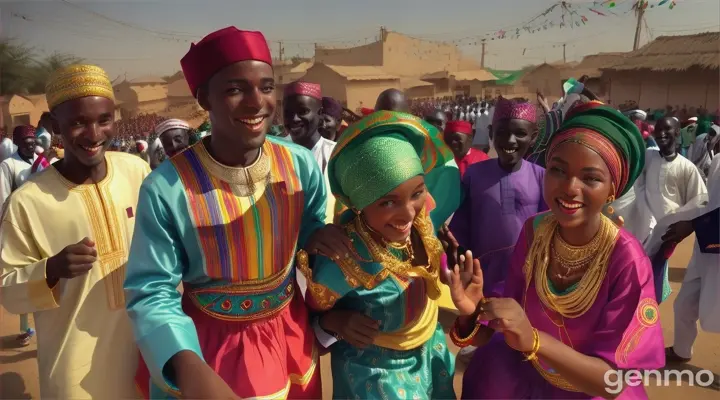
(459, 137)
(302, 107)
(225, 218)
(301, 114)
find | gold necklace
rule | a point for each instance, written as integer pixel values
(578, 301)
(574, 256)
(430, 274)
(405, 247)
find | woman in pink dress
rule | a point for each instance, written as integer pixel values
(579, 302)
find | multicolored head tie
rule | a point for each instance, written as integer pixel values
(599, 144)
(611, 135)
(512, 109)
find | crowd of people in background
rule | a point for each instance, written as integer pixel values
(338, 232)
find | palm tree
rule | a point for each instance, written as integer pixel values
(22, 73)
(43, 68)
(16, 62)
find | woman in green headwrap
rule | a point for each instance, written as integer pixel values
(579, 303)
(382, 310)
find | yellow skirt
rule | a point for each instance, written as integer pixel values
(445, 301)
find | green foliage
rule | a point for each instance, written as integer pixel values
(23, 72)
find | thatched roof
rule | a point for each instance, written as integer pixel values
(591, 65)
(674, 53)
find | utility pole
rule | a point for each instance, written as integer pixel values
(564, 58)
(482, 57)
(281, 55)
(640, 11)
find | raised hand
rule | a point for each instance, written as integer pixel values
(466, 284)
(72, 261)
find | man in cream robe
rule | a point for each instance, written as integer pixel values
(86, 348)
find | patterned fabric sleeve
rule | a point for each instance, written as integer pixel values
(629, 335)
(326, 282)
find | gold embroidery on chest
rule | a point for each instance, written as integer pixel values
(108, 233)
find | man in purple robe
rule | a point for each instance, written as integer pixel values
(500, 194)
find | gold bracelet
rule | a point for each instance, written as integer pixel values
(532, 355)
(466, 341)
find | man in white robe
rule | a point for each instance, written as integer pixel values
(669, 184)
(699, 296)
(15, 170)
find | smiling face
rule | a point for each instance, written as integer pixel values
(511, 139)
(174, 141)
(666, 133)
(392, 215)
(241, 102)
(87, 126)
(458, 142)
(577, 184)
(301, 115)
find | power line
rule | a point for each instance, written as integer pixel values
(127, 24)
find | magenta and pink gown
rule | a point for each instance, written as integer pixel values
(496, 205)
(622, 328)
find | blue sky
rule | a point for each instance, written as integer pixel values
(134, 50)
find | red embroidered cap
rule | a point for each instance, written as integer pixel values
(220, 49)
(459, 127)
(304, 89)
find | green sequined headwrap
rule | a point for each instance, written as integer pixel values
(368, 169)
(381, 151)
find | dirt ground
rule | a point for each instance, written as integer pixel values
(19, 376)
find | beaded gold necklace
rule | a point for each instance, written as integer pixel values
(404, 268)
(578, 301)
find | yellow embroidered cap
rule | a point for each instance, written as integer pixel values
(76, 81)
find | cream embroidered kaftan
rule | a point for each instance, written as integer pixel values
(85, 342)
